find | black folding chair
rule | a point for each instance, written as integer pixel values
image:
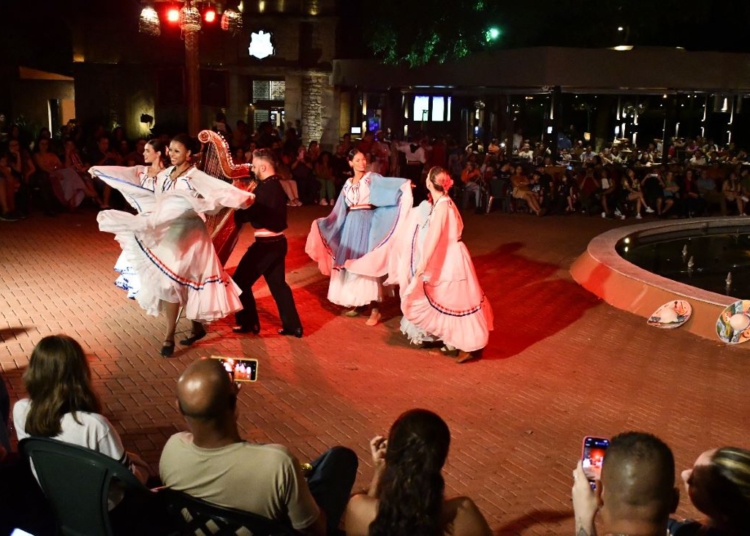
(197, 517)
(76, 482)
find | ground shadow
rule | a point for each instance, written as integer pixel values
(529, 304)
(537, 517)
(11, 333)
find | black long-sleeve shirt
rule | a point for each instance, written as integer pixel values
(269, 209)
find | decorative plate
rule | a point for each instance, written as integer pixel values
(671, 315)
(733, 324)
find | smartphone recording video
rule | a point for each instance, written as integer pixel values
(592, 457)
(241, 369)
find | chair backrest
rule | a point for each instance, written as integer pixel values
(76, 481)
(195, 516)
(217, 162)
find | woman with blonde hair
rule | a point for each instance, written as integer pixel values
(718, 485)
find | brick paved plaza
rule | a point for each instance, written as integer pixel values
(560, 365)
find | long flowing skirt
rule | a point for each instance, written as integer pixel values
(346, 288)
(456, 312)
(181, 267)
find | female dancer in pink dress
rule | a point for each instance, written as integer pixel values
(442, 299)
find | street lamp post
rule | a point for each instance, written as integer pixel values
(189, 18)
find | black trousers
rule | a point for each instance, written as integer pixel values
(266, 257)
(331, 482)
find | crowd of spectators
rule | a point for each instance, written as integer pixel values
(635, 493)
(691, 178)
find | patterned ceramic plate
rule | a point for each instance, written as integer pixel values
(733, 324)
(671, 315)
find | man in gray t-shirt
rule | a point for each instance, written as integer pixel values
(215, 464)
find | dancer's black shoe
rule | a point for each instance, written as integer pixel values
(194, 336)
(297, 332)
(168, 349)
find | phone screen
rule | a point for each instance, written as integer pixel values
(594, 449)
(241, 369)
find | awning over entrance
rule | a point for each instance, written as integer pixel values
(640, 70)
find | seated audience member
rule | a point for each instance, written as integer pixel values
(566, 196)
(285, 179)
(707, 188)
(732, 192)
(62, 404)
(670, 194)
(589, 188)
(522, 190)
(608, 194)
(636, 493)
(9, 185)
(631, 191)
(406, 496)
(718, 485)
(470, 178)
(694, 203)
(213, 463)
(4, 415)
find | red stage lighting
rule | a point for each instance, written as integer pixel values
(209, 15)
(173, 15)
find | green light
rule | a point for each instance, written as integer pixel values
(492, 34)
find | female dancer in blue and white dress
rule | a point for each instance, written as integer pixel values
(352, 243)
(167, 245)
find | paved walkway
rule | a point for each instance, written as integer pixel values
(561, 364)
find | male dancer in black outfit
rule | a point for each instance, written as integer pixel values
(266, 256)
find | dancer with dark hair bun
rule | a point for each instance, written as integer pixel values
(441, 298)
(406, 497)
(352, 243)
(168, 260)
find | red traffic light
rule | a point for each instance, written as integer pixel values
(209, 15)
(173, 15)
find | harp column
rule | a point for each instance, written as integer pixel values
(192, 76)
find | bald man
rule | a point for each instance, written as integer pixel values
(212, 462)
(637, 491)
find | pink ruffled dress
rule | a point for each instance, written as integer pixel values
(446, 302)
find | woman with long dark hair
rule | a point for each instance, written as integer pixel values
(352, 243)
(62, 403)
(406, 497)
(170, 250)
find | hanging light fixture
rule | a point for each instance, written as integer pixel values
(190, 18)
(149, 22)
(231, 21)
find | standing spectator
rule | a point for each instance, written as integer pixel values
(302, 172)
(416, 157)
(213, 463)
(9, 184)
(471, 178)
(636, 493)
(324, 175)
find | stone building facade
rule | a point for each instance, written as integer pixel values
(122, 75)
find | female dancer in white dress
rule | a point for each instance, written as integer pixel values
(352, 243)
(167, 245)
(442, 298)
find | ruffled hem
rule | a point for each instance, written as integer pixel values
(415, 334)
(353, 290)
(208, 300)
(467, 330)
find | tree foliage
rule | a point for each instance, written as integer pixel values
(415, 33)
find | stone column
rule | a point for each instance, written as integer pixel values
(312, 107)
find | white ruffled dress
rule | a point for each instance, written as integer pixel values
(167, 253)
